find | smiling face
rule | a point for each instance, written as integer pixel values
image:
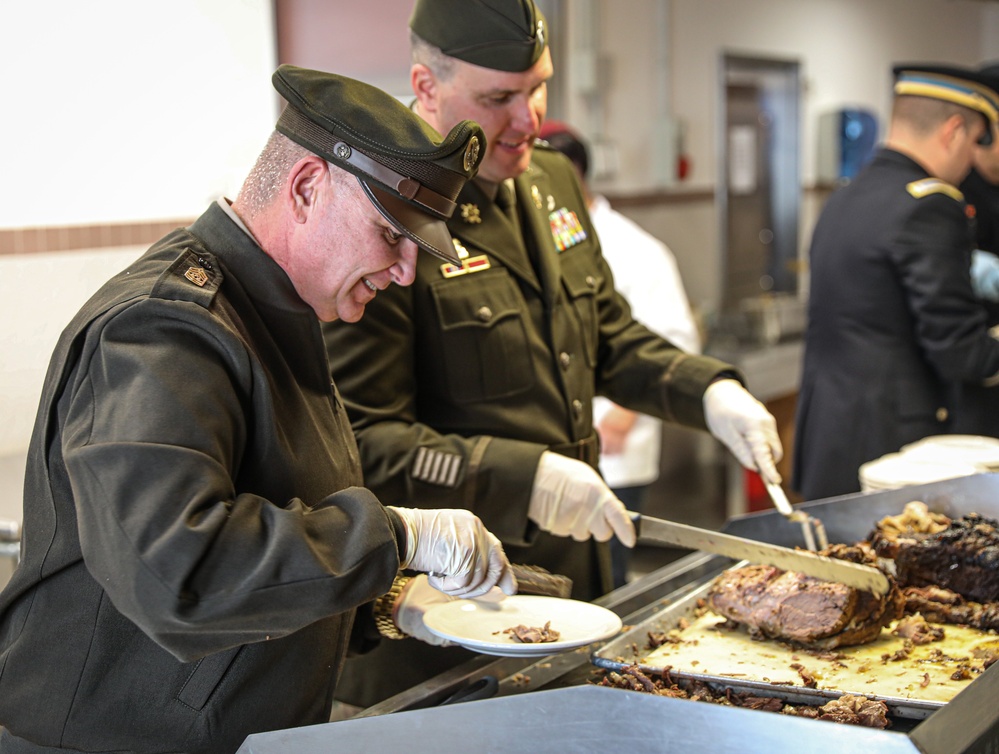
(510, 107)
(347, 251)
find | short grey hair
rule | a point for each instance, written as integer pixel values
(268, 174)
(439, 63)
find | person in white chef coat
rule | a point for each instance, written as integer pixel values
(646, 274)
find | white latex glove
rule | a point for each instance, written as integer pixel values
(462, 557)
(570, 499)
(745, 426)
(417, 597)
(985, 275)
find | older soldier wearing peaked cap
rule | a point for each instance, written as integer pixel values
(196, 539)
(478, 393)
(894, 329)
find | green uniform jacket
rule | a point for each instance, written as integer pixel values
(194, 539)
(457, 384)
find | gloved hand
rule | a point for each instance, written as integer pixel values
(741, 422)
(462, 557)
(570, 499)
(416, 598)
(985, 275)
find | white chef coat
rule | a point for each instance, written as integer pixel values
(645, 272)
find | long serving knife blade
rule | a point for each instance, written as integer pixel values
(656, 531)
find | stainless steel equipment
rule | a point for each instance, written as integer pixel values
(549, 704)
(811, 528)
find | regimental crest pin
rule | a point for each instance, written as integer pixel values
(197, 275)
(566, 229)
(470, 213)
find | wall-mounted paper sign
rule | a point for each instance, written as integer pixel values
(742, 178)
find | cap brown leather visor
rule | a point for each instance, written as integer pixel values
(429, 233)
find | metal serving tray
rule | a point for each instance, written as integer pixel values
(733, 661)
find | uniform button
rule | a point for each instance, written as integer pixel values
(577, 408)
(564, 359)
(484, 313)
(942, 414)
(591, 281)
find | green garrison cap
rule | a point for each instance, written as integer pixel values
(506, 35)
(410, 172)
(962, 86)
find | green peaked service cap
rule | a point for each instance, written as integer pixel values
(411, 173)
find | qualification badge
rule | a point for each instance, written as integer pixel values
(566, 229)
(470, 213)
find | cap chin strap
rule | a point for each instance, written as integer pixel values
(293, 122)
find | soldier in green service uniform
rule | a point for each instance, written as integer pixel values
(196, 539)
(473, 388)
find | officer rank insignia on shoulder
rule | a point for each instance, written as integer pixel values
(927, 186)
(566, 229)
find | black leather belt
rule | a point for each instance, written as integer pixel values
(586, 450)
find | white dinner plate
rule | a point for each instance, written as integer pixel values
(479, 625)
(981, 451)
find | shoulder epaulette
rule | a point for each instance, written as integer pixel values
(927, 186)
(193, 276)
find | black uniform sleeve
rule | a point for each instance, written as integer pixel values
(950, 323)
(155, 423)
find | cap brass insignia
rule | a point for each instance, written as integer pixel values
(470, 213)
(471, 153)
(197, 275)
(541, 32)
(536, 196)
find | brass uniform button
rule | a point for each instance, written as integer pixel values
(942, 414)
(577, 408)
(564, 360)
(591, 281)
(484, 313)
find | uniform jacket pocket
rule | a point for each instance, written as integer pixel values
(484, 337)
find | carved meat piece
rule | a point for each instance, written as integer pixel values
(533, 634)
(963, 556)
(785, 605)
(938, 605)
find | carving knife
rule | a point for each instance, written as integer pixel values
(658, 532)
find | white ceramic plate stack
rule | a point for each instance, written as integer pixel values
(480, 626)
(931, 459)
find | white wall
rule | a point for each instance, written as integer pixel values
(122, 110)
